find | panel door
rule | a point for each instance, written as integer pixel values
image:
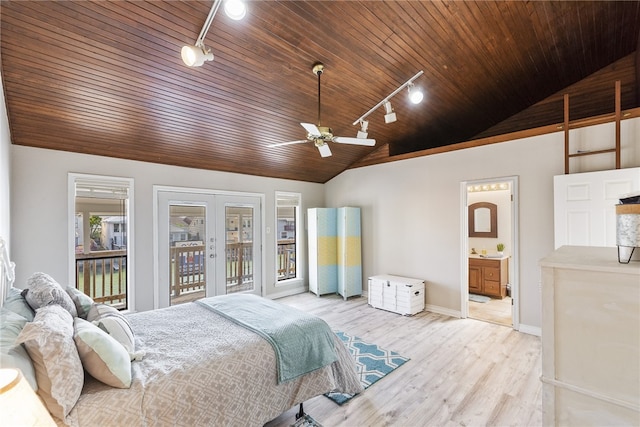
(584, 205)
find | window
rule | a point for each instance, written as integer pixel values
(101, 244)
(287, 232)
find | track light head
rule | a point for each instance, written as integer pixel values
(415, 94)
(235, 9)
(390, 115)
(195, 56)
(362, 133)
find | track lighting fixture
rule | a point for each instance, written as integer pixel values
(415, 95)
(195, 55)
(390, 115)
(362, 133)
(235, 9)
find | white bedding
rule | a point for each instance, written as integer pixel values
(201, 369)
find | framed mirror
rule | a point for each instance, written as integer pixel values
(483, 220)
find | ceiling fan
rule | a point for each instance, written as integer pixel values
(320, 135)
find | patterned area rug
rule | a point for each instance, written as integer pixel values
(306, 421)
(372, 363)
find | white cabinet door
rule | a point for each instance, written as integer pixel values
(584, 205)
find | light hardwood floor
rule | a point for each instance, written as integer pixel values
(462, 372)
(496, 310)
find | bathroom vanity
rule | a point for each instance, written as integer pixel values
(488, 275)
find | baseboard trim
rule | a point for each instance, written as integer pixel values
(443, 310)
(531, 330)
(287, 293)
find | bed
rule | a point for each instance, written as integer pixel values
(197, 367)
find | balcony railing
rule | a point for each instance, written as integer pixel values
(239, 264)
(188, 270)
(103, 276)
(286, 259)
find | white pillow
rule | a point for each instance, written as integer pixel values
(102, 356)
(49, 342)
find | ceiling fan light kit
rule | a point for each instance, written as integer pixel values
(321, 135)
(195, 55)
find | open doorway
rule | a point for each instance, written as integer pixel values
(489, 255)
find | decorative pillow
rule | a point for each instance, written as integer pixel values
(115, 324)
(49, 342)
(42, 290)
(82, 301)
(101, 355)
(16, 303)
(98, 310)
(13, 355)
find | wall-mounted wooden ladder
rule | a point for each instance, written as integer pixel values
(567, 127)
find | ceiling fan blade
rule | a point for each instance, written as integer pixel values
(324, 149)
(280, 144)
(355, 141)
(311, 129)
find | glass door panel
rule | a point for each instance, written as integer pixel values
(239, 249)
(187, 253)
(239, 269)
(185, 247)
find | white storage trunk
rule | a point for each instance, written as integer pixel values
(401, 295)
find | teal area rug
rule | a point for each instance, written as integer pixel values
(479, 298)
(372, 363)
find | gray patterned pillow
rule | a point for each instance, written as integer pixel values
(49, 342)
(42, 290)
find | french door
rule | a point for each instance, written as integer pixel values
(208, 244)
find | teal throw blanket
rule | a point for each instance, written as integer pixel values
(302, 342)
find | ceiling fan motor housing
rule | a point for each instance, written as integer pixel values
(318, 68)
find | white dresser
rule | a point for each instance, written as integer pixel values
(401, 295)
(590, 338)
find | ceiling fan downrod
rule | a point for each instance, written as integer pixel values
(318, 68)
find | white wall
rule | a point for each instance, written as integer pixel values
(5, 171)
(39, 210)
(411, 211)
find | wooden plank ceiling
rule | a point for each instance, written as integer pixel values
(106, 77)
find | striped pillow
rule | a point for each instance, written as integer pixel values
(115, 324)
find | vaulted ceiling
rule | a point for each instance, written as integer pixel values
(106, 77)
